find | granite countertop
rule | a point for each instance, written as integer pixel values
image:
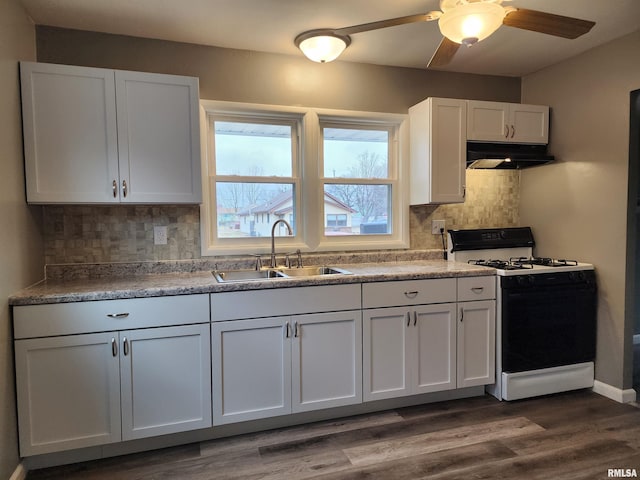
(164, 284)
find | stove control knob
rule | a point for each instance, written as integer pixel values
(573, 276)
(532, 279)
(582, 275)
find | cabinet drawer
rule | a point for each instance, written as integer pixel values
(408, 292)
(284, 301)
(108, 315)
(476, 288)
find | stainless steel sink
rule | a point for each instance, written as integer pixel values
(312, 271)
(246, 275)
(275, 273)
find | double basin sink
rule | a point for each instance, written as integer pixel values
(275, 273)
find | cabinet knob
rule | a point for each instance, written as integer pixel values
(114, 187)
(408, 318)
(114, 347)
(513, 131)
(461, 314)
(506, 131)
(125, 346)
(124, 188)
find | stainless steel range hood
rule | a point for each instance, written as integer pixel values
(506, 155)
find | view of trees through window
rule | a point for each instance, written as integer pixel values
(357, 155)
(255, 179)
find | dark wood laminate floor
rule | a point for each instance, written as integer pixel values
(576, 435)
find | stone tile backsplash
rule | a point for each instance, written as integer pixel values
(124, 233)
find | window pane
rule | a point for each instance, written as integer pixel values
(357, 209)
(253, 149)
(350, 153)
(250, 209)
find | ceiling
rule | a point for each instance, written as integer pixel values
(272, 25)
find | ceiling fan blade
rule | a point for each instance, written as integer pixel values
(444, 53)
(549, 23)
(391, 22)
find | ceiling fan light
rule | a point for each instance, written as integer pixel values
(322, 45)
(471, 22)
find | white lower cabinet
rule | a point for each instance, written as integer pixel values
(275, 366)
(165, 380)
(80, 389)
(476, 343)
(408, 351)
(68, 391)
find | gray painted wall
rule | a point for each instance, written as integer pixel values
(21, 256)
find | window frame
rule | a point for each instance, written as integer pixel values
(308, 172)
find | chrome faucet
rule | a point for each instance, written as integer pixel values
(273, 240)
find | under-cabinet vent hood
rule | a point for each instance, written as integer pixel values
(506, 156)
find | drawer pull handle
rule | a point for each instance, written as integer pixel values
(125, 346)
(408, 318)
(117, 315)
(124, 188)
(477, 289)
(287, 330)
(412, 294)
(296, 329)
(114, 187)
(415, 318)
(114, 347)
(461, 314)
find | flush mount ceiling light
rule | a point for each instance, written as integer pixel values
(322, 45)
(461, 22)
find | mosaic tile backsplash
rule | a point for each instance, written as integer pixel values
(124, 233)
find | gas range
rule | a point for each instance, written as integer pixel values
(545, 312)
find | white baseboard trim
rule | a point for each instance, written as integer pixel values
(20, 473)
(614, 393)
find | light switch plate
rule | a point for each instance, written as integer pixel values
(160, 235)
(436, 226)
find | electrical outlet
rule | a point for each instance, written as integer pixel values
(436, 226)
(160, 235)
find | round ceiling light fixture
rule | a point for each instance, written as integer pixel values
(322, 45)
(469, 23)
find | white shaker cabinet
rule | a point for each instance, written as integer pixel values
(476, 343)
(476, 331)
(68, 392)
(408, 351)
(94, 135)
(438, 151)
(326, 360)
(251, 369)
(507, 122)
(410, 348)
(78, 389)
(282, 351)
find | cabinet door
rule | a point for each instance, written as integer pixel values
(251, 369)
(158, 138)
(326, 360)
(166, 380)
(488, 121)
(530, 123)
(476, 343)
(70, 138)
(385, 352)
(433, 353)
(68, 391)
(438, 151)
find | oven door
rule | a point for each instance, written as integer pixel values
(548, 326)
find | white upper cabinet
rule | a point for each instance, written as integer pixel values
(95, 135)
(507, 122)
(438, 150)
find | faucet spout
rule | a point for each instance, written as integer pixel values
(273, 239)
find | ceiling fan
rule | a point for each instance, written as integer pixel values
(461, 22)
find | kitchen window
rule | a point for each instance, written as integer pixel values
(335, 176)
